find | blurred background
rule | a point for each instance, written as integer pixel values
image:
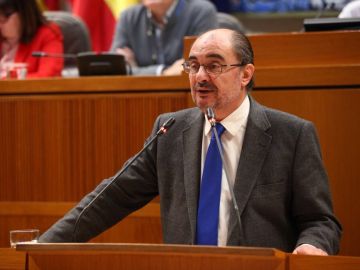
(256, 16)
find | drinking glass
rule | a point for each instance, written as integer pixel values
(21, 236)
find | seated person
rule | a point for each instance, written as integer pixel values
(351, 10)
(23, 30)
(150, 35)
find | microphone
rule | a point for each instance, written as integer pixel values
(211, 118)
(163, 129)
(56, 55)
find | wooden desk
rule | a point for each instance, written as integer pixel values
(60, 137)
(140, 256)
(10, 259)
(150, 256)
(301, 262)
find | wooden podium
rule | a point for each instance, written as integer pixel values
(304, 262)
(148, 256)
(10, 259)
(91, 256)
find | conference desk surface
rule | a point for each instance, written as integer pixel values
(93, 84)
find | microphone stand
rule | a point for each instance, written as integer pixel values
(53, 55)
(163, 129)
(211, 117)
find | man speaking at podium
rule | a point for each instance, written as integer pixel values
(229, 172)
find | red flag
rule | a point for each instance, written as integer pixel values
(99, 20)
(54, 4)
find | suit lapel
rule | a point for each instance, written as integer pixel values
(255, 148)
(192, 143)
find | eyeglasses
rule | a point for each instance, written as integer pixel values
(193, 67)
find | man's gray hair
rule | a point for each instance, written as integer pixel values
(244, 52)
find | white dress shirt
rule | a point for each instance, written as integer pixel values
(232, 141)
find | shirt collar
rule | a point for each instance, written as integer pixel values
(168, 13)
(234, 121)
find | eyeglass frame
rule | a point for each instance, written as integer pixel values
(222, 66)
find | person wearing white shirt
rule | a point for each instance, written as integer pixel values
(273, 158)
(351, 10)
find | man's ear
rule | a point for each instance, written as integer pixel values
(248, 72)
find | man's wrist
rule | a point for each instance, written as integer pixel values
(160, 69)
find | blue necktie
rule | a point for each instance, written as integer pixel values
(209, 201)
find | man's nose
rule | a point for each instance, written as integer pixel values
(202, 74)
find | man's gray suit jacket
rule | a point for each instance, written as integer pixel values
(281, 186)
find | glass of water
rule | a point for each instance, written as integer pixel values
(21, 236)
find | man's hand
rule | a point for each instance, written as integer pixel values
(175, 69)
(128, 54)
(306, 249)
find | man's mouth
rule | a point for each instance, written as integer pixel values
(204, 91)
(204, 88)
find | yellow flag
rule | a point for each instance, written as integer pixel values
(41, 4)
(116, 6)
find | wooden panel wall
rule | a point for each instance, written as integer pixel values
(142, 226)
(60, 137)
(57, 147)
(293, 60)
